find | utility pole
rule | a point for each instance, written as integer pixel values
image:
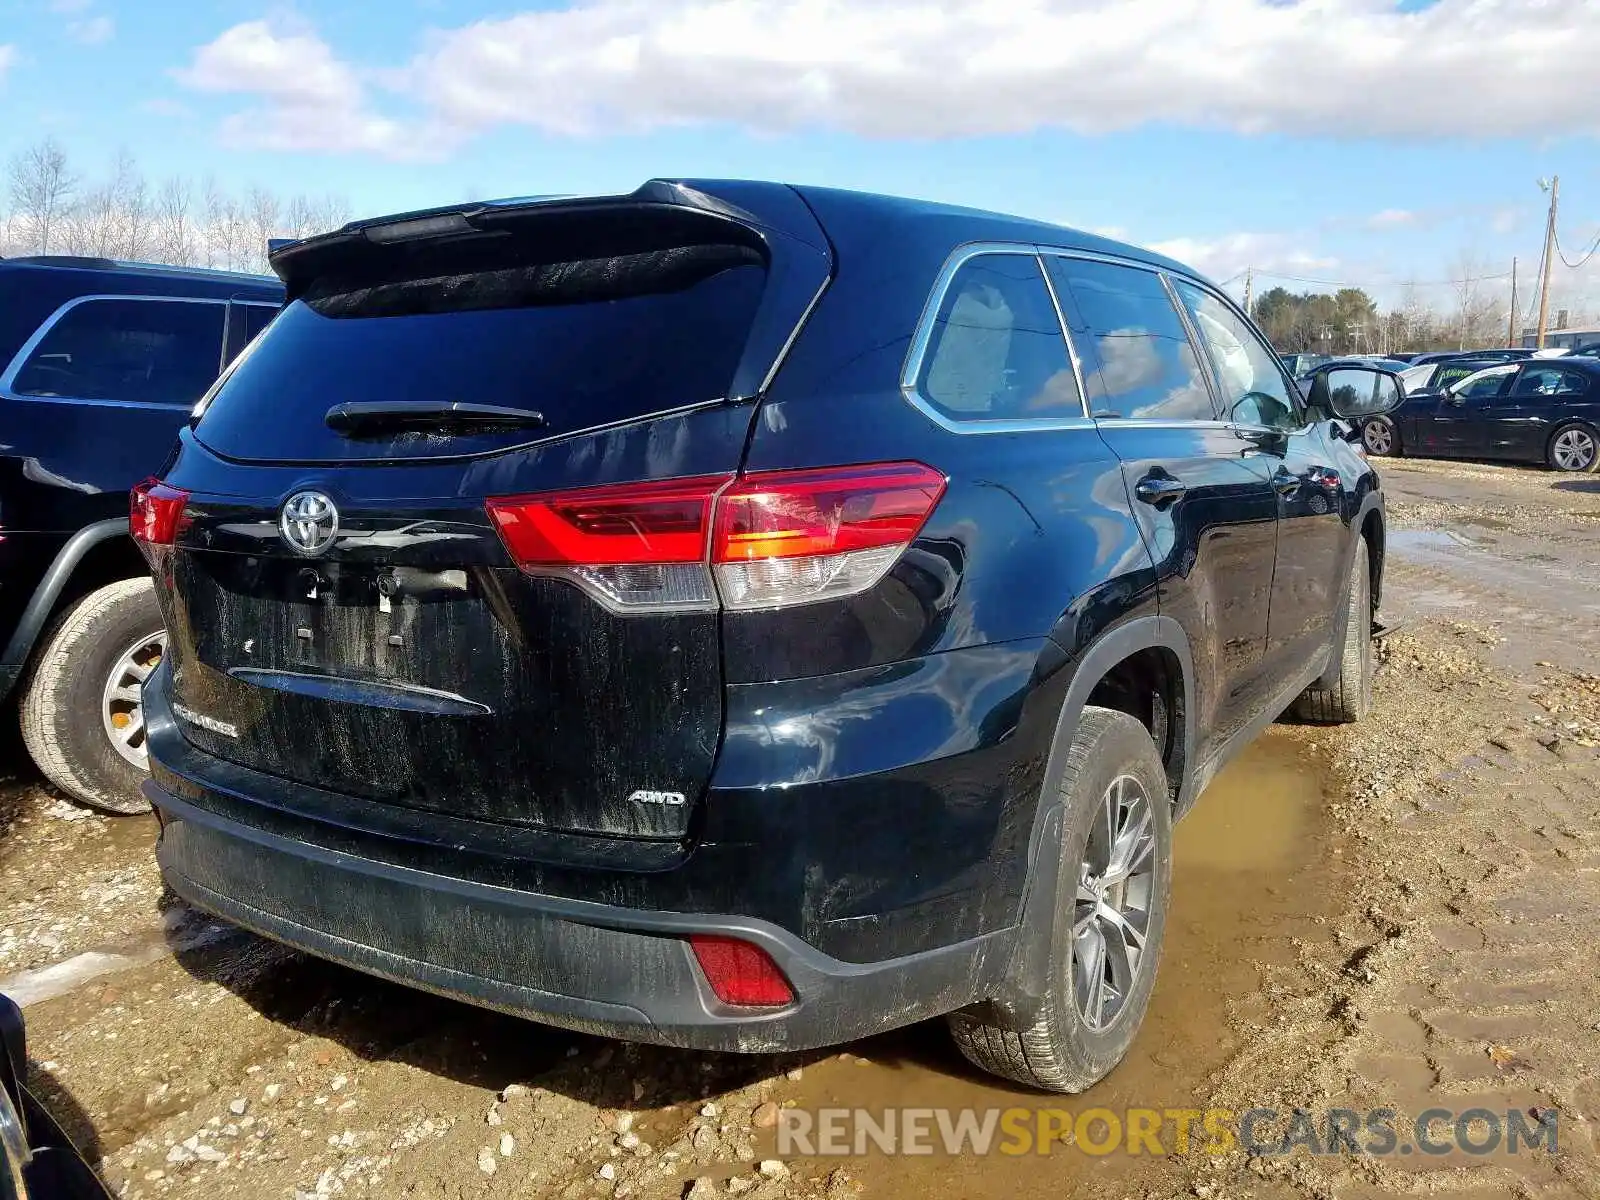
(1511, 328)
(1549, 255)
(1249, 279)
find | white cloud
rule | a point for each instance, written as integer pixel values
(1223, 258)
(309, 99)
(949, 68)
(8, 56)
(92, 31)
(908, 68)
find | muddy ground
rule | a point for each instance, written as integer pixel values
(1397, 914)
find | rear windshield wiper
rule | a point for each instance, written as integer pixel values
(379, 416)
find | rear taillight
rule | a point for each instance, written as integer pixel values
(788, 537)
(757, 541)
(637, 547)
(155, 512)
(740, 973)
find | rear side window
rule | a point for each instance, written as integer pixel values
(141, 351)
(1551, 381)
(996, 352)
(1146, 366)
(1449, 375)
(583, 343)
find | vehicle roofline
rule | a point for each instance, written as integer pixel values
(125, 267)
(710, 195)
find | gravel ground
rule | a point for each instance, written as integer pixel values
(1399, 913)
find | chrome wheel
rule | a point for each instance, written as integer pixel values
(122, 702)
(1573, 450)
(1378, 437)
(1116, 886)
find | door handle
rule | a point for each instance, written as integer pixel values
(1159, 490)
(1284, 483)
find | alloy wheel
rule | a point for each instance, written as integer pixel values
(1116, 888)
(122, 702)
(1573, 450)
(1378, 436)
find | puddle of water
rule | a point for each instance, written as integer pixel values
(1251, 871)
(1401, 540)
(180, 930)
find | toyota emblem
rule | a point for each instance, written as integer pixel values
(309, 523)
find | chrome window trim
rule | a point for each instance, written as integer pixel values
(1197, 347)
(14, 368)
(921, 339)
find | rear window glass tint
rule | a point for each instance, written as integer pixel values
(135, 351)
(996, 352)
(583, 343)
(1146, 365)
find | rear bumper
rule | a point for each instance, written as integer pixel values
(596, 968)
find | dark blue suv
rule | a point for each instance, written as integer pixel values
(100, 363)
(744, 616)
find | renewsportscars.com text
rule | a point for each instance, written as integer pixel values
(855, 1132)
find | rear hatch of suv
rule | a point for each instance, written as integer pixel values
(364, 599)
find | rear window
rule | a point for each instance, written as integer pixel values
(583, 343)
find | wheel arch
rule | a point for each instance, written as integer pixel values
(96, 555)
(1367, 535)
(1101, 675)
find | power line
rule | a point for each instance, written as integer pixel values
(1347, 284)
(1575, 265)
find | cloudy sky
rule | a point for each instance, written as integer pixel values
(1360, 141)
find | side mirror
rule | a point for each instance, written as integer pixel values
(1356, 393)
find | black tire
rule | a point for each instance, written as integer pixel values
(62, 724)
(1380, 437)
(1061, 1052)
(1351, 696)
(1575, 448)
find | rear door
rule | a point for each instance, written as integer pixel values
(1208, 512)
(346, 613)
(1521, 422)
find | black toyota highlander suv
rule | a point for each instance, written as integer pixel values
(743, 616)
(100, 363)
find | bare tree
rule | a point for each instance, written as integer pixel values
(174, 238)
(41, 185)
(1479, 309)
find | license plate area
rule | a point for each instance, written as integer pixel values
(352, 620)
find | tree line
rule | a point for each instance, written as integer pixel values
(53, 208)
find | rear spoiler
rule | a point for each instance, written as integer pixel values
(742, 212)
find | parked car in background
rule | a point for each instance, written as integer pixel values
(100, 364)
(1433, 377)
(1538, 410)
(1302, 364)
(1421, 385)
(1498, 355)
(621, 691)
(1393, 365)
